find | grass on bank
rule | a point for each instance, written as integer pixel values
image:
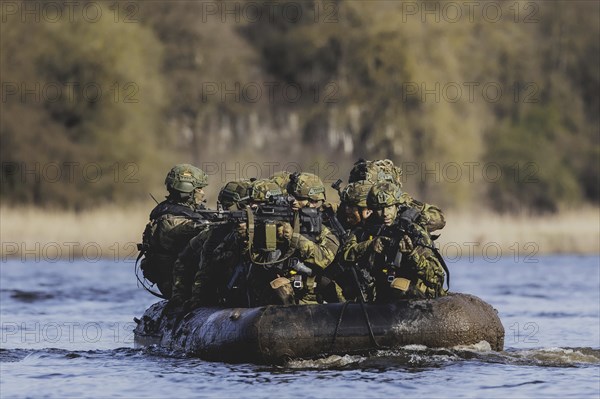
(111, 232)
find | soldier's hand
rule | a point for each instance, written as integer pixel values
(406, 245)
(379, 244)
(285, 231)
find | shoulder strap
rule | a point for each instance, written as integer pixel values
(165, 208)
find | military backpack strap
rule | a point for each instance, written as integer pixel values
(137, 276)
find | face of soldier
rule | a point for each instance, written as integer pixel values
(387, 215)
(198, 195)
(355, 214)
(304, 203)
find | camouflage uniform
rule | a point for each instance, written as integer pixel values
(274, 276)
(353, 196)
(224, 261)
(188, 281)
(172, 224)
(317, 252)
(419, 273)
(381, 170)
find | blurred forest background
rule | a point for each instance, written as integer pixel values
(497, 107)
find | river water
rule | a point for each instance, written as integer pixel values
(67, 332)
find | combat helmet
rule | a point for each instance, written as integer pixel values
(235, 192)
(356, 193)
(384, 194)
(263, 189)
(306, 186)
(282, 179)
(184, 178)
(376, 171)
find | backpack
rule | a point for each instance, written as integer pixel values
(376, 171)
(154, 257)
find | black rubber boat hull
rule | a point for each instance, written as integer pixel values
(272, 334)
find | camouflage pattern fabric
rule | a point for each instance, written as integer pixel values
(221, 251)
(282, 179)
(376, 171)
(420, 267)
(384, 170)
(186, 265)
(165, 237)
(432, 218)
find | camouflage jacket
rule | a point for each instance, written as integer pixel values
(420, 267)
(214, 261)
(432, 218)
(171, 227)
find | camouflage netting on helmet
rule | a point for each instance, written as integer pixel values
(184, 178)
(376, 171)
(236, 192)
(383, 195)
(356, 193)
(263, 189)
(306, 186)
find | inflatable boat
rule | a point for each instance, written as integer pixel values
(274, 334)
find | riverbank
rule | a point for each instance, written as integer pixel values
(111, 232)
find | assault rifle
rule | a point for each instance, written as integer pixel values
(262, 221)
(407, 226)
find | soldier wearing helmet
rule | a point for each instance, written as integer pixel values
(265, 283)
(393, 266)
(172, 224)
(221, 249)
(383, 170)
(263, 191)
(316, 251)
(234, 195)
(353, 209)
(194, 275)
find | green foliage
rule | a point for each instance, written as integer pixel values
(95, 101)
(377, 83)
(535, 172)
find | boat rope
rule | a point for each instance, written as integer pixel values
(361, 300)
(136, 270)
(337, 326)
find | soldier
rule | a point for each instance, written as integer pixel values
(218, 281)
(172, 224)
(431, 217)
(353, 205)
(186, 280)
(397, 265)
(352, 213)
(315, 250)
(282, 269)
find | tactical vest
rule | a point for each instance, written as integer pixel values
(155, 254)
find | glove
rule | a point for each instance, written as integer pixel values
(285, 231)
(379, 244)
(406, 245)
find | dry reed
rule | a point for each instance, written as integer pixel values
(111, 232)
